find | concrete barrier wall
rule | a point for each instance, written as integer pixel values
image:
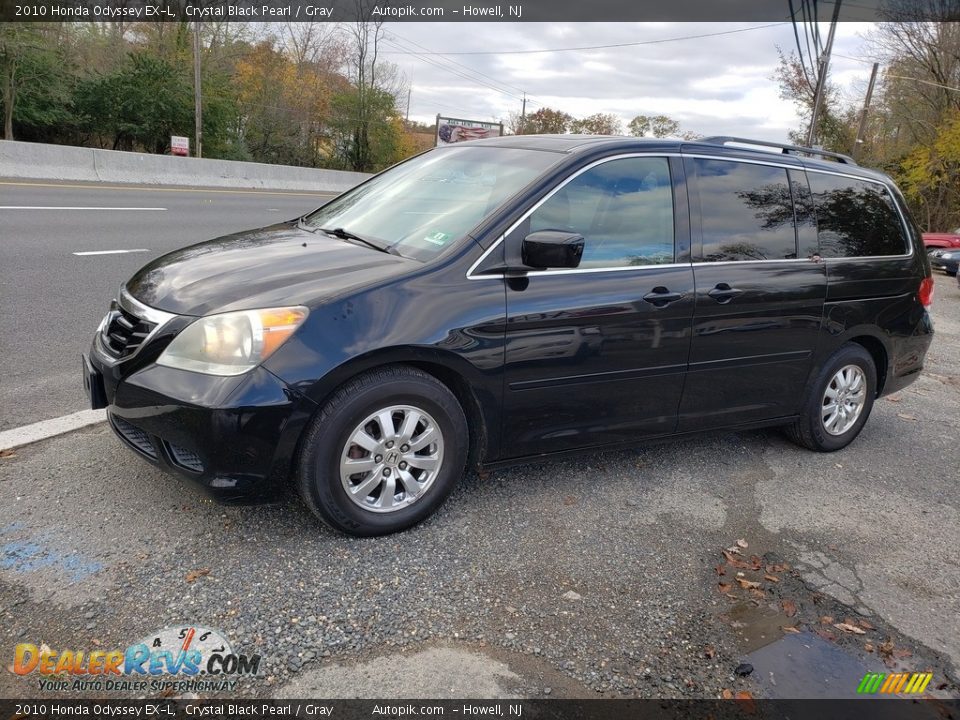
(38, 161)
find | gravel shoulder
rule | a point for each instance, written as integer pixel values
(594, 577)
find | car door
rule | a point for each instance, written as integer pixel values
(597, 354)
(760, 289)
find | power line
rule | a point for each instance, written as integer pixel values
(901, 77)
(427, 51)
(796, 37)
(593, 47)
(430, 61)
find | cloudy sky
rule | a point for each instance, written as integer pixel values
(717, 85)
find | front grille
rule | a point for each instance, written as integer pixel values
(135, 436)
(124, 333)
(186, 459)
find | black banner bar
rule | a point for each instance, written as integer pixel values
(881, 709)
(456, 10)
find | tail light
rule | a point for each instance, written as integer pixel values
(926, 292)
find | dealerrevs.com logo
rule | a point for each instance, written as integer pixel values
(181, 659)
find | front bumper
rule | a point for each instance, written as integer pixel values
(235, 438)
(948, 265)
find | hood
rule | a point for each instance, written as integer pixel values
(270, 267)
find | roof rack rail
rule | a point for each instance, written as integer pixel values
(786, 149)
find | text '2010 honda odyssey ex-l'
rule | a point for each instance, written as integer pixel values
(500, 300)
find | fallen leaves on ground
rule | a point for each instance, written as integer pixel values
(789, 607)
(195, 575)
(569, 500)
(790, 628)
(726, 694)
(771, 578)
(747, 584)
(7, 454)
(743, 695)
(777, 568)
(868, 647)
(720, 569)
(724, 587)
(826, 620)
(709, 652)
(735, 561)
(865, 625)
(907, 416)
(848, 628)
(742, 543)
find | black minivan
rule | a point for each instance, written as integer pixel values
(495, 301)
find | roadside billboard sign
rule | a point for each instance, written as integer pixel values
(179, 145)
(454, 130)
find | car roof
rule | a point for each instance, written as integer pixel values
(571, 144)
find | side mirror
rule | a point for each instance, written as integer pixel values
(552, 249)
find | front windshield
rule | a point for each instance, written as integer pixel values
(427, 203)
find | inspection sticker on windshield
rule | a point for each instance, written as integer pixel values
(438, 238)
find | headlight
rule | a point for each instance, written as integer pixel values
(232, 343)
(946, 256)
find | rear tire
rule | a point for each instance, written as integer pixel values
(839, 402)
(384, 452)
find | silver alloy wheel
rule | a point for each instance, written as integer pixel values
(843, 400)
(391, 459)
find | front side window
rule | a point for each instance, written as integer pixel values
(746, 210)
(422, 206)
(855, 218)
(623, 208)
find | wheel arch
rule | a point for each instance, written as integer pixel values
(879, 354)
(477, 393)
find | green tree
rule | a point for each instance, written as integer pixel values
(930, 177)
(34, 90)
(597, 124)
(547, 121)
(140, 106)
(835, 128)
(658, 126)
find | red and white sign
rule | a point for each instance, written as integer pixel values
(179, 145)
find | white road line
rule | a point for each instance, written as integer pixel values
(110, 252)
(63, 207)
(44, 429)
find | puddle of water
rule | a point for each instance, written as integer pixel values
(756, 626)
(803, 665)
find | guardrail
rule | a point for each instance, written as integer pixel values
(39, 161)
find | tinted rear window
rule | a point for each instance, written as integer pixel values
(855, 218)
(746, 210)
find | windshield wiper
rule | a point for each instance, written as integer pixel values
(347, 235)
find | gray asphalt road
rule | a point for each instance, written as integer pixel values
(53, 300)
(602, 576)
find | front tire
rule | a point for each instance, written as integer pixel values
(839, 403)
(384, 452)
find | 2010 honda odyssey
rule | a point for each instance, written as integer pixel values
(495, 301)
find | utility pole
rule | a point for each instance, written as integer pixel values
(866, 106)
(197, 101)
(822, 76)
(407, 120)
(523, 116)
